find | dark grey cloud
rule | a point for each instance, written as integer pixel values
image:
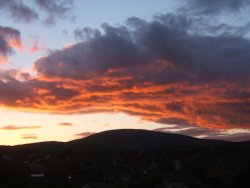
(174, 121)
(58, 6)
(7, 34)
(18, 10)
(209, 7)
(55, 9)
(175, 106)
(187, 56)
(114, 50)
(27, 11)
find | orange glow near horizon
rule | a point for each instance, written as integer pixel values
(50, 127)
(26, 129)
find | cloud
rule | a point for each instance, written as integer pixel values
(174, 121)
(65, 124)
(206, 133)
(55, 9)
(196, 131)
(191, 131)
(159, 70)
(18, 10)
(27, 12)
(157, 45)
(217, 18)
(21, 90)
(9, 39)
(84, 134)
(36, 47)
(215, 7)
(237, 137)
(13, 127)
(29, 136)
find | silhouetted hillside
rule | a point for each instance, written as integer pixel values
(41, 147)
(122, 139)
(142, 139)
(127, 158)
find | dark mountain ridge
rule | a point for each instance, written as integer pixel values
(142, 157)
(123, 139)
(142, 139)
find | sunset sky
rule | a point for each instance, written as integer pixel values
(72, 68)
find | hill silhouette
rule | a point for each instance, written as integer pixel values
(142, 139)
(110, 156)
(123, 139)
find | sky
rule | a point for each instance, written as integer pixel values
(72, 68)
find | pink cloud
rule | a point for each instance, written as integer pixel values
(13, 127)
(84, 134)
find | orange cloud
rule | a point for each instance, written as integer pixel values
(36, 47)
(13, 127)
(15, 43)
(208, 105)
(65, 124)
(84, 134)
(29, 136)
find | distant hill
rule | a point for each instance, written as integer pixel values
(125, 139)
(111, 156)
(142, 139)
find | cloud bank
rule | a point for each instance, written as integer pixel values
(159, 70)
